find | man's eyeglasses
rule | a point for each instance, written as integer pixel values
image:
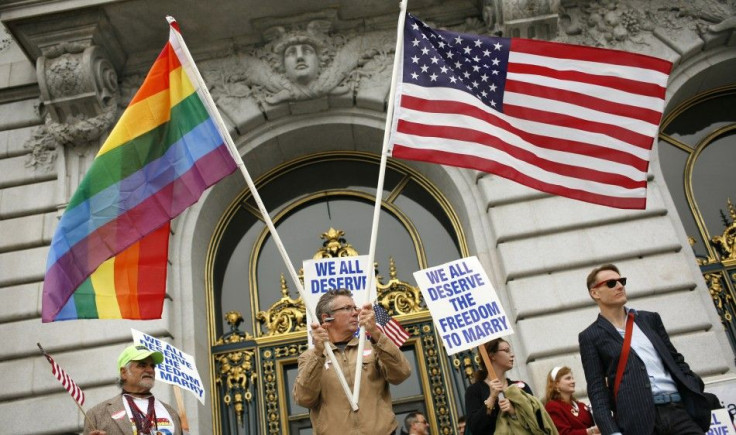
(611, 283)
(347, 308)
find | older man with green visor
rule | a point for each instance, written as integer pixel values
(135, 411)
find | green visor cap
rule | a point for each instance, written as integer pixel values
(138, 352)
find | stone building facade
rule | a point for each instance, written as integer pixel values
(68, 68)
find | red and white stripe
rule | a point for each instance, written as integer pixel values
(70, 386)
(577, 121)
(395, 332)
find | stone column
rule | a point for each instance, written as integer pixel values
(77, 62)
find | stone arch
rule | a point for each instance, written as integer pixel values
(262, 148)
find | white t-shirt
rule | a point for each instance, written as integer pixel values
(163, 418)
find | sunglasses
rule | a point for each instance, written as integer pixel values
(611, 283)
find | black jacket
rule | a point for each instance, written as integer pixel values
(634, 412)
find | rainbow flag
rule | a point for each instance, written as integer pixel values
(108, 255)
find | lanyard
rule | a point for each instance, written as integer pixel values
(143, 423)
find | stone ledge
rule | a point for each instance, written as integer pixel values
(551, 214)
(28, 199)
(74, 335)
(573, 249)
(27, 232)
(19, 114)
(17, 172)
(550, 342)
(24, 266)
(557, 291)
(20, 302)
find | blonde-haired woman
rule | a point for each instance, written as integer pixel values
(570, 416)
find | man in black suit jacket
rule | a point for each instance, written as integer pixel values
(658, 392)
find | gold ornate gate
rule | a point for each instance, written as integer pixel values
(253, 376)
(719, 272)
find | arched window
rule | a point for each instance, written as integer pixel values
(324, 194)
(697, 151)
(309, 196)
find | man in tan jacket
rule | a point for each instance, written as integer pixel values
(317, 385)
(135, 408)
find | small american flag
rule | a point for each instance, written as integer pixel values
(393, 329)
(73, 389)
(565, 119)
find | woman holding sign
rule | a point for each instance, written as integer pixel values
(496, 404)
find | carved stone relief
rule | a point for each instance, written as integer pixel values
(76, 56)
(303, 62)
(522, 18)
(79, 105)
(632, 25)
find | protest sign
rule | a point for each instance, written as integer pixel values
(725, 390)
(720, 423)
(178, 368)
(464, 305)
(350, 273)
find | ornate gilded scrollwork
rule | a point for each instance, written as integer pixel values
(463, 362)
(436, 380)
(289, 315)
(721, 299)
(726, 242)
(719, 271)
(235, 371)
(398, 296)
(286, 315)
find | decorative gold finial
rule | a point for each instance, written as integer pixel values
(397, 296)
(725, 244)
(289, 315)
(334, 245)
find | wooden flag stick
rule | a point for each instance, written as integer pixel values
(489, 366)
(487, 361)
(182, 411)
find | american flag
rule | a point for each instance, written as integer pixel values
(393, 329)
(76, 392)
(564, 119)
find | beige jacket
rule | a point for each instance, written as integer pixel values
(318, 388)
(100, 418)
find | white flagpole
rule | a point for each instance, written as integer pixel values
(398, 58)
(212, 109)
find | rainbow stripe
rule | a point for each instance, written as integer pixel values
(108, 255)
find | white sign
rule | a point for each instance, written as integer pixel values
(178, 368)
(464, 305)
(725, 389)
(350, 273)
(720, 423)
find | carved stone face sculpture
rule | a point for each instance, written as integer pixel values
(301, 63)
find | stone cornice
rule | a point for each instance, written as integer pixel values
(51, 35)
